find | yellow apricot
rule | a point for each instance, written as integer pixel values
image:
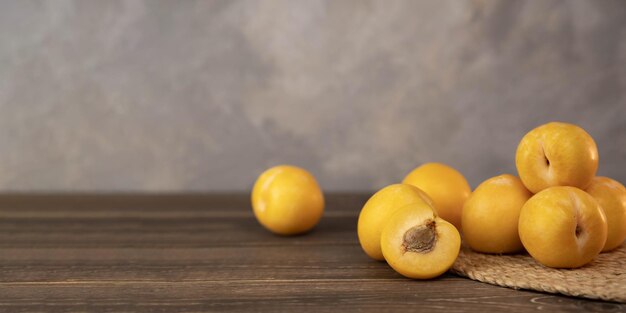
(379, 208)
(562, 227)
(556, 154)
(611, 195)
(287, 200)
(445, 186)
(491, 215)
(418, 244)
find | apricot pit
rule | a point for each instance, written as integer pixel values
(420, 238)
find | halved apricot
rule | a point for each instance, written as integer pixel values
(418, 244)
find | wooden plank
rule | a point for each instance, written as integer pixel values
(163, 232)
(228, 263)
(395, 295)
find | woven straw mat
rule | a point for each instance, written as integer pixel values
(604, 278)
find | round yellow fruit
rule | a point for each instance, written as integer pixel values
(445, 186)
(418, 244)
(377, 211)
(562, 227)
(491, 215)
(556, 154)
(287, 200)
(611, 195)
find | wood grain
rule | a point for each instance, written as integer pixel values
(196, 253)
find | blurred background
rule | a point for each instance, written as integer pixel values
(178, 96)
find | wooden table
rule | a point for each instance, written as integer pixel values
(192, 253)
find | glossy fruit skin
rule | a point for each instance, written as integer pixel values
(491, 215)
(446, 187)
(556, 154)
(287, 200)
(377, 211)
(419, 265)
(611, 195)
(563, 227)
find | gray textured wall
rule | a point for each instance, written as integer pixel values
(203, 95)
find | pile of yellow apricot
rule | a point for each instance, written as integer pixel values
(557, 210)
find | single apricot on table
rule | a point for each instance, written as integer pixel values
(556, 154)
(491, 215)
(377, 211)
(611, 195)
(287, 200)
(418, 244)
(445, 186)
(562, 227)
